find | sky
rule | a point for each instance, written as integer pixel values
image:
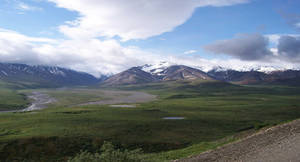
(107, 37)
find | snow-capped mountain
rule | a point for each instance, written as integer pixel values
(182, 72)
(166, 71)
(268, 69)
(157, 68)
(131, 76)
(51, 76)
(137, 75)
(44, 76)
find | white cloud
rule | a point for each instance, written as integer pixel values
(274, 38)
(92, 55)
(103, 57)
(234, 64)
(137, 19)
(15, 47)
(26, 7)
(13, 36)
(190, 52)
(274, 51)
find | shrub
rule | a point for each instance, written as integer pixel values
(109, 154)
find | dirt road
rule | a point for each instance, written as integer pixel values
(277, 144)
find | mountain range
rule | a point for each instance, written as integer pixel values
(43, 76)
(165, 72)
(51, 76)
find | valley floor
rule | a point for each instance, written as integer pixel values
(123, 97)
(275, 144)
(80, 120)
(38, 101)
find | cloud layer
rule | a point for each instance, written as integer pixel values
(108, 57)
(289, 48)
(140, 19)
(253, 47)
(83, 50)
(93, 56)
(243, 46)
(137, 19)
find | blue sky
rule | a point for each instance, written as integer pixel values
(40, 20)
(209, 24)
(136, 32)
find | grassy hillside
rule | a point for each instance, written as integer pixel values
(212, 111)
(10, 99)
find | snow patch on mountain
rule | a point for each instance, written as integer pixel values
(268, 69)
(158, 68)
(4, 73)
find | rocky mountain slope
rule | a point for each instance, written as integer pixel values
(131, 76)
(136, 75)
(49, 76)
(181, 72)
(43, 76)
(287, 77)
(168, 72)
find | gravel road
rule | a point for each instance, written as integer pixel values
(277, 144)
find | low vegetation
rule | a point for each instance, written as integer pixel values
(10, 99)
(213, 111)
(108, 153)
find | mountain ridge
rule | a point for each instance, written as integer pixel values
(53, 76)
(44, 76)
(133, 75)
(160, 66)
(169, 72)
